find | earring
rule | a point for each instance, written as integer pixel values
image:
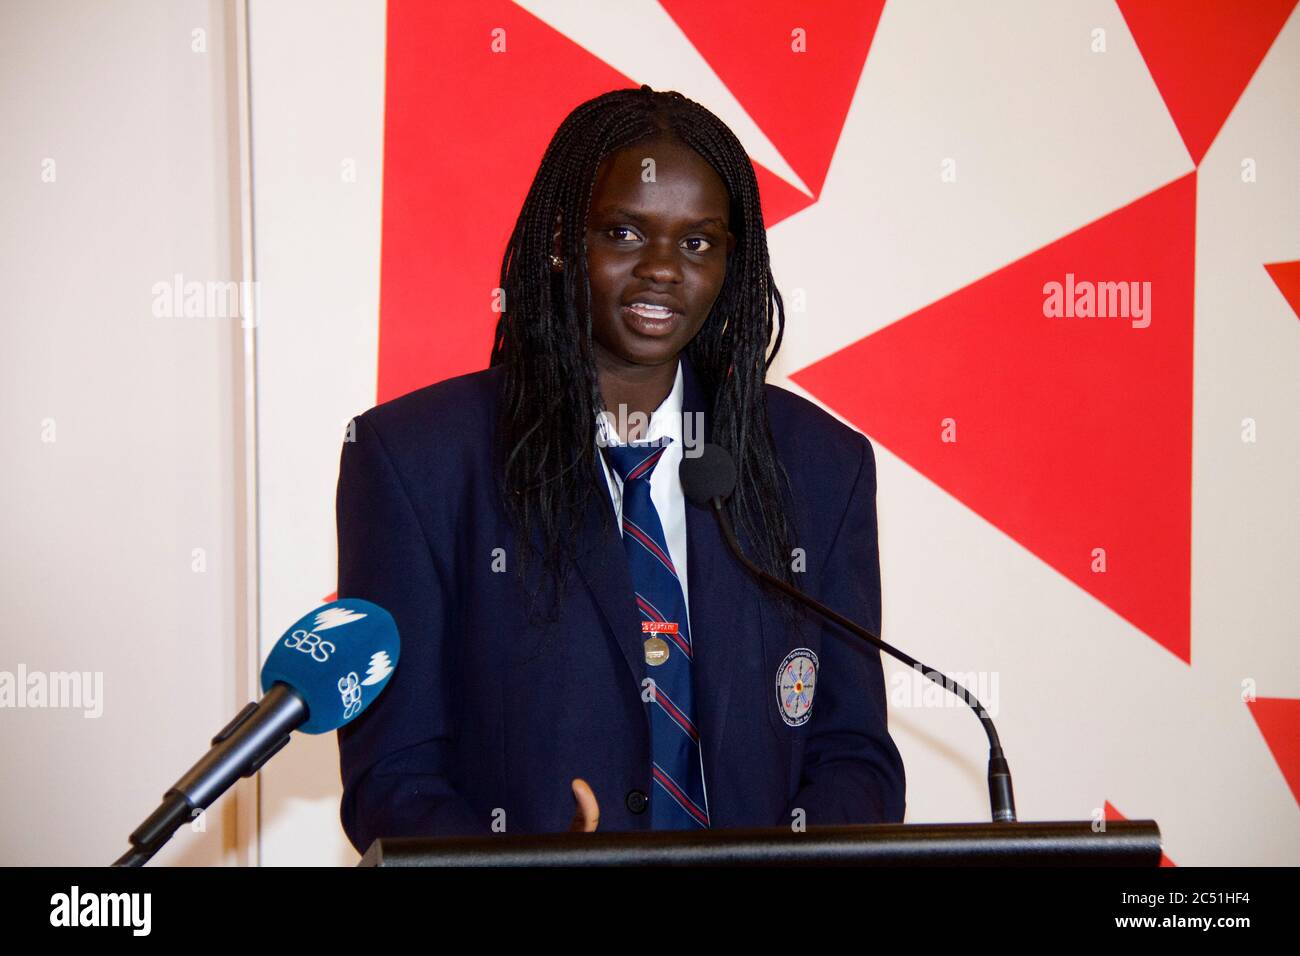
(557, 262)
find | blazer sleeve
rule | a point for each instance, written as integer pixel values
(396, 757)
(852, 771)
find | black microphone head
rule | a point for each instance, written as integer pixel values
(708, 475)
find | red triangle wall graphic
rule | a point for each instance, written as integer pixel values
(1072, 434)
(1287, 277)
(1278, 720)
(799, 98)
(779, 199)
(1201, 54)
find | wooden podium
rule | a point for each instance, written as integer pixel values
(1133, 843)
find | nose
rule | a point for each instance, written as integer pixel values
(659, 262)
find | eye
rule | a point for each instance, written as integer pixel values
(613, 232)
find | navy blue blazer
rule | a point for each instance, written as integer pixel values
(488, 718)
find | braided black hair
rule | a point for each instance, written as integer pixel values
(550, 389)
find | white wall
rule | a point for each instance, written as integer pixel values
(101, 523)
(317, 75)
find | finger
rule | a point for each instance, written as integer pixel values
(579, 822)
(588, 808)
(587, 815)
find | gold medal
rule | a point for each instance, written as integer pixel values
(656, 651)
(656, 648)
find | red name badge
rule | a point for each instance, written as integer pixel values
(658, 627)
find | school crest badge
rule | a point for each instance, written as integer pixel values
(796, 680)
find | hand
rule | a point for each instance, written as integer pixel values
(587, 811)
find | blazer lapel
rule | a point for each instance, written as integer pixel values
(602, 563)
(724, 603)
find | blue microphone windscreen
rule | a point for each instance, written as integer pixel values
(338, 658)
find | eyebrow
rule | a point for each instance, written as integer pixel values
(621, 212)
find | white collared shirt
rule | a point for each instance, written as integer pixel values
(665, 484)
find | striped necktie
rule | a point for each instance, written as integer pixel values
(678, 800)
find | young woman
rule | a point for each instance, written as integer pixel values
(578, 643)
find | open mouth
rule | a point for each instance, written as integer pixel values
(650, 319)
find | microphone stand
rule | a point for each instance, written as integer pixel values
(1001, 798)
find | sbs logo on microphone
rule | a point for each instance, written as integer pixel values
(350, 692)
(310, 643)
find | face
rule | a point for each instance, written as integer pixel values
(663, 243)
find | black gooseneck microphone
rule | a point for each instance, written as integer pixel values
(709, 479)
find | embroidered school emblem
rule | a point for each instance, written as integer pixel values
(796, 679)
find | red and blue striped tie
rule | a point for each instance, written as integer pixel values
(678, 800)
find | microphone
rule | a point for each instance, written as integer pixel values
(326, 669)
(708, 480)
